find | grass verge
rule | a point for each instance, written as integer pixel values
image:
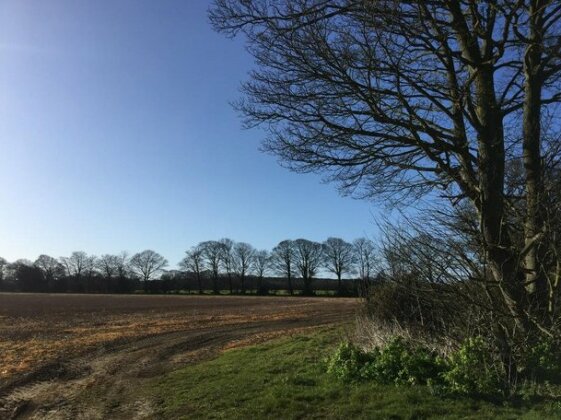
(286, 379)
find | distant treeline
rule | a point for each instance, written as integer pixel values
(209, 267)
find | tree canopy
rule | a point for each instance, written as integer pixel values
(400, 99)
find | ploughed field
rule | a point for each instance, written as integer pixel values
(54, 347)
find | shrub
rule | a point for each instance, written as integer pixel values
(348, 362)
(544, 361)
(397, 363)
(471, 370)
(388, 366)
(401, 363)
(421, 366)
(474, 369)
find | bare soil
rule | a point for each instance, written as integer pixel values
(87, 356)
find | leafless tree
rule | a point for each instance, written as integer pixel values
(212, 252)
(108, 265)
(308, 259)
(147, 264)
(91, 265)
(51, 267)
(261, 263)
(403, 98)
(365, 256)
(194, 262)
(227, 260)
(242, 258)
(283, 261)
(123, 266)
(339, 258)
(77, 264)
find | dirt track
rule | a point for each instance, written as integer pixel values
(102, 379)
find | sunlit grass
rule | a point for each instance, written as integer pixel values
(286, 379)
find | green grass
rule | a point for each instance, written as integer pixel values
(286, 379)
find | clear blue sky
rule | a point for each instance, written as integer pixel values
(116, 133)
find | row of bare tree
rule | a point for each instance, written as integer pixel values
(81, 272)
(216, 261)
(290, 258)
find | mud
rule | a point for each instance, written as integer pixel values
(105, 380)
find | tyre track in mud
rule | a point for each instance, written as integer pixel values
(104, 383)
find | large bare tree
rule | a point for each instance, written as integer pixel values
(147, 264)
(339, 258)
(123, 266)
(261, 264)
(308, 258)
(227, 260)
(194, 262)
(51, 268)
(115, 269)
(405, 98)
(283, 261)
(78, 264)
(213, 253)
(108, 265)
(242, 257)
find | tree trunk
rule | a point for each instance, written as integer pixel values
(307, 286)
(215, 283)
(534, 282)
(199, 283)
(339, 284)
(260, 289)
(290, 290)
(490, 203)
